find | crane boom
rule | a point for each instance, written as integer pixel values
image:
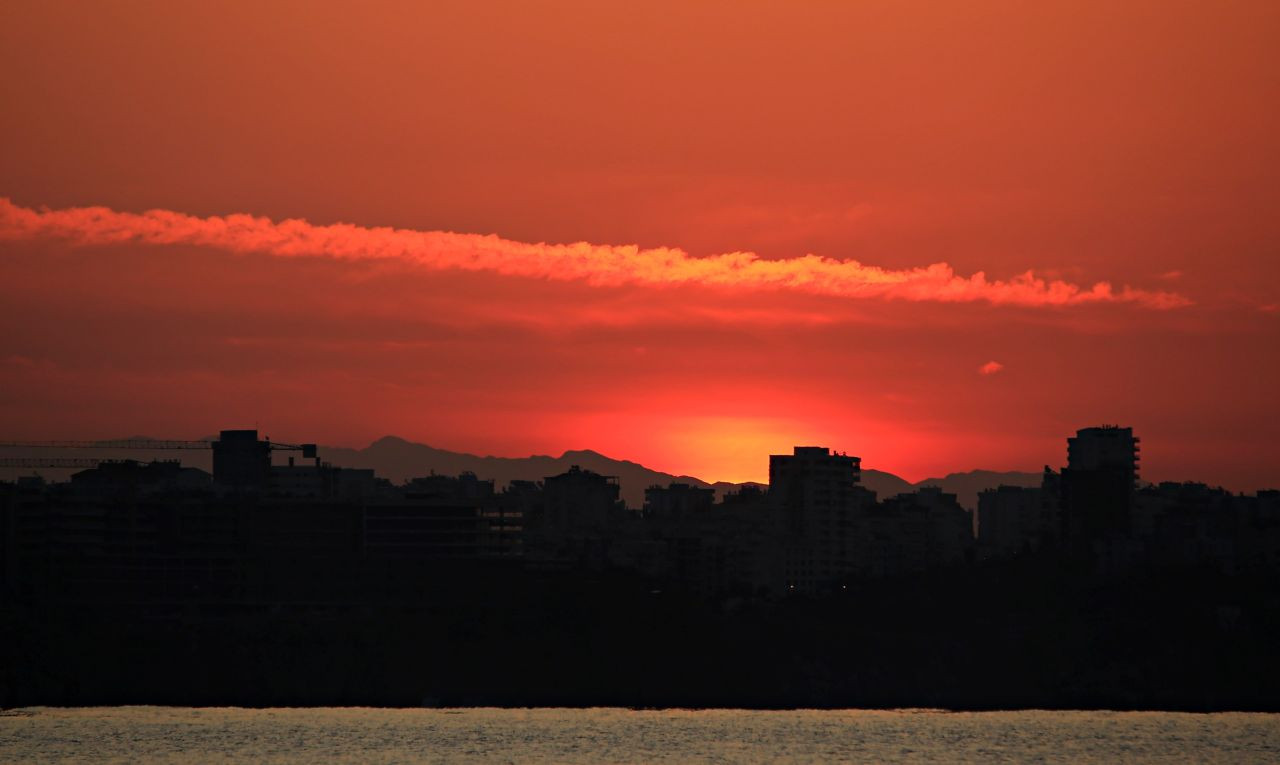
(144, 444)
(49, 462)
(126, 443)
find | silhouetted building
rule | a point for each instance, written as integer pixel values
(1009, 520)
(748, 527)
(1190, 523)
(523, 499)
(1098, 485)
(580, 499)
(446, 517)
(129, 475)
(1109, 447)
(916, 531)
(818, 497)
(809, 483)
(241, 460)
(1051, 505)
(324, 481)
(677, 500)
(580, 519)
(462, 488)
(747, 494)
(1263, 550)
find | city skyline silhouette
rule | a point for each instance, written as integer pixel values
(137, 549)
(398, 458)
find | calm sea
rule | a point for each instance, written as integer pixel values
(167, 734)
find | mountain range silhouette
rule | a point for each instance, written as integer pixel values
(398, 460)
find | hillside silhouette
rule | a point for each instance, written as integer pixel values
(967, 486)
(398, 459)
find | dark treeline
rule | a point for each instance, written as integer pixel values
(313, 585)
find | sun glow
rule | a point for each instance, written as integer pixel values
(734, 448)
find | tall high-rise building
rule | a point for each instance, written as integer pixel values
(811, 481)
(241, 459)
(1098, 484)
(1109, 447)
(819, 498)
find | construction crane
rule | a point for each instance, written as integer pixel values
(148, 444)
(63, 463)
(240, 457)
(125, 443)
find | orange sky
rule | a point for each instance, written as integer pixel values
(1132, 144)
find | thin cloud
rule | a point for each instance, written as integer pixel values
(990, 368)
(602, 265)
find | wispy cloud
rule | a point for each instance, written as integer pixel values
(604, 265)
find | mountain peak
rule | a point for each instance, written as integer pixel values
(394, 441)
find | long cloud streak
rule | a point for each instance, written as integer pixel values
(606, 265)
